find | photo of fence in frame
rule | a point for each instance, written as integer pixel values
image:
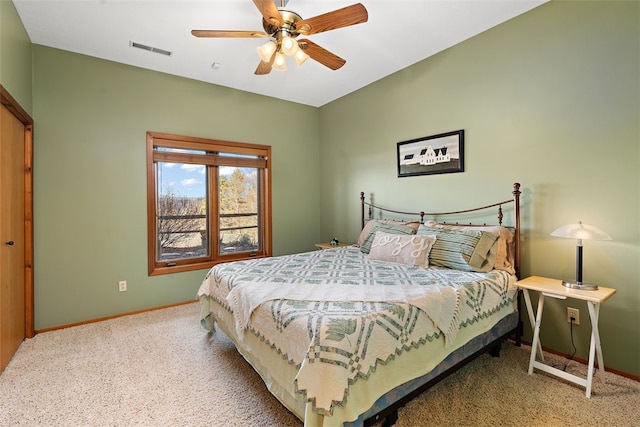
(442, 153)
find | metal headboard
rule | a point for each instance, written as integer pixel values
(516, 226)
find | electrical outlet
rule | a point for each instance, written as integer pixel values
(575, 313)
(122, 285)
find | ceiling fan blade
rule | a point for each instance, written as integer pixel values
(269, 12)
(228, 33)
(350, 15)
(320, 54)
(265, 67)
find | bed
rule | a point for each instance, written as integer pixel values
(346, 336)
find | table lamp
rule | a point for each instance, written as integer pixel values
(580, 232)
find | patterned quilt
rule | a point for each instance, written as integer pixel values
(334, 314)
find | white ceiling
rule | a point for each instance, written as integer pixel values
(397, 35)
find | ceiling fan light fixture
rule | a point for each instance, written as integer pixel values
(266, 50)
(300, 57)
(280, 63)
(289, 46)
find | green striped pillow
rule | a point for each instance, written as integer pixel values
(467, 250)
(387, 228)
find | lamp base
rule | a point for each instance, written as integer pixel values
(580, 286)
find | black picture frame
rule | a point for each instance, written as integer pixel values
(435, 154)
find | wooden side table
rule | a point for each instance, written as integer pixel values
(328, 245)
(555, 289)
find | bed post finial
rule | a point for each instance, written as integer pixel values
(421, 217)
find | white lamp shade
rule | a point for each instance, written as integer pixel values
(580, 231)
(266, 51)
(289, 46)
(300, 57)
(280, 62)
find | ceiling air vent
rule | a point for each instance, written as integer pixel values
(150, 48)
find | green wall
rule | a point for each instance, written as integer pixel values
(549, 99)
(90, 177)
(15, 56)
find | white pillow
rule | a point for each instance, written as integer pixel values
(401, 248)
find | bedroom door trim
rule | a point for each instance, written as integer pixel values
(14, 107)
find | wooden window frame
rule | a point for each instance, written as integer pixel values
(262, 162)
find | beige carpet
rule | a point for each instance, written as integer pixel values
(161, 369)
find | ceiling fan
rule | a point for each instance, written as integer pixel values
(283, 26)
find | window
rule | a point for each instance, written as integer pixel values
(208, 202)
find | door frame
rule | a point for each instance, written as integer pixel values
(14, 107)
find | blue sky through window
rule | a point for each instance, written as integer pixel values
(183, 179)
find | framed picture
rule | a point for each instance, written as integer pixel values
(443, 153)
